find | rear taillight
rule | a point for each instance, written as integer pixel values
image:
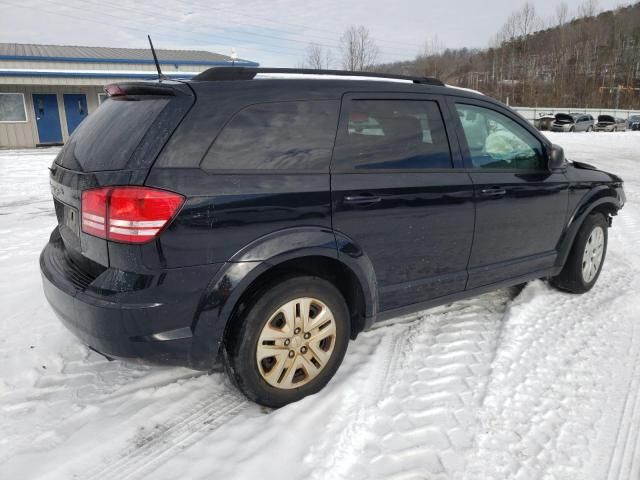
(128, 214)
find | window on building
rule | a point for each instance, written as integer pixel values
(393, 134)
(277, 136)
(102, 97)
(12, 107)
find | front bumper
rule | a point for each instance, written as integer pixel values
(124, 314)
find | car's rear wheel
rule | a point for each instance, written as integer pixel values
(290, 342)
(584, 264)
(572, 129)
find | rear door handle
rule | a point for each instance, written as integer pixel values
(362, 199)
(493, 192)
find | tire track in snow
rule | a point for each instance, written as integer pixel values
(148, 451)
(625, 460)
(440, 380)
(342, 446)
(413, 420)
(552, 380)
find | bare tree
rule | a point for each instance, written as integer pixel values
(359, 50)
(429, 62)
(317, 57)
(526, 20)
(589, 8)
(562, 14)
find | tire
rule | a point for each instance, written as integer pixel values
(572, 129)
(263, 329)
(580, 272)
(589, 129)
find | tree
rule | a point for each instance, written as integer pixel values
(430, 61)
(589, 8)
(317, 57)
(359, 50)
(526, 20)
(562, 14)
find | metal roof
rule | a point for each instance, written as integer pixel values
(58, 53)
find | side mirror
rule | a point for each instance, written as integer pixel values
(556, 158)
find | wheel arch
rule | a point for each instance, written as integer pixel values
(602, 200)
(302, 251)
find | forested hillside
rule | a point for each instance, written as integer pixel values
(588, 61)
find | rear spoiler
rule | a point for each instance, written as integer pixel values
(138, 88)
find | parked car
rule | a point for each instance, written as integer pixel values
(608, 123)
(544, 121)
(572, 122)
(634, 122)
(261, 218)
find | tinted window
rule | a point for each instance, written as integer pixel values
(106, 139)
(282, 135)
(392, 134)
(496, 141)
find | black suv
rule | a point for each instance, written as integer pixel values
(263, 217)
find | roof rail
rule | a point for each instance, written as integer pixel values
(248, 73)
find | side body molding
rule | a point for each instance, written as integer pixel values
(234, 278)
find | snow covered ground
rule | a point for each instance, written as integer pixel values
(530, 384)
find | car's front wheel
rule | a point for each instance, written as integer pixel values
(290, 341)
(584, 264)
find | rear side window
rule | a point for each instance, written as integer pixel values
(106, 139)
(392, 134)
(295, 135)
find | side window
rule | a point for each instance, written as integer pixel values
(496, 141)
(392, 134)
(275, 136)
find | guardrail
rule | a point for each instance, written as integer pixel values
(531, 114)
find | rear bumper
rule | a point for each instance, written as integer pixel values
(127, 315)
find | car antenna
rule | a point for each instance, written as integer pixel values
(161, 75)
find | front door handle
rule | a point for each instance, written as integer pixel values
(362, 199)
(493, 192)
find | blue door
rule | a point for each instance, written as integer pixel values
(47, 117)
(75, 108)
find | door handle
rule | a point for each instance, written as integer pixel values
(362, 199)
(494, 192)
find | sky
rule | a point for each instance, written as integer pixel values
(275, 33)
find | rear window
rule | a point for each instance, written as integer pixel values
(294, 135)
(392, 134)
(107, 138)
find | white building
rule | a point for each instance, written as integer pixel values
(46, 90)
